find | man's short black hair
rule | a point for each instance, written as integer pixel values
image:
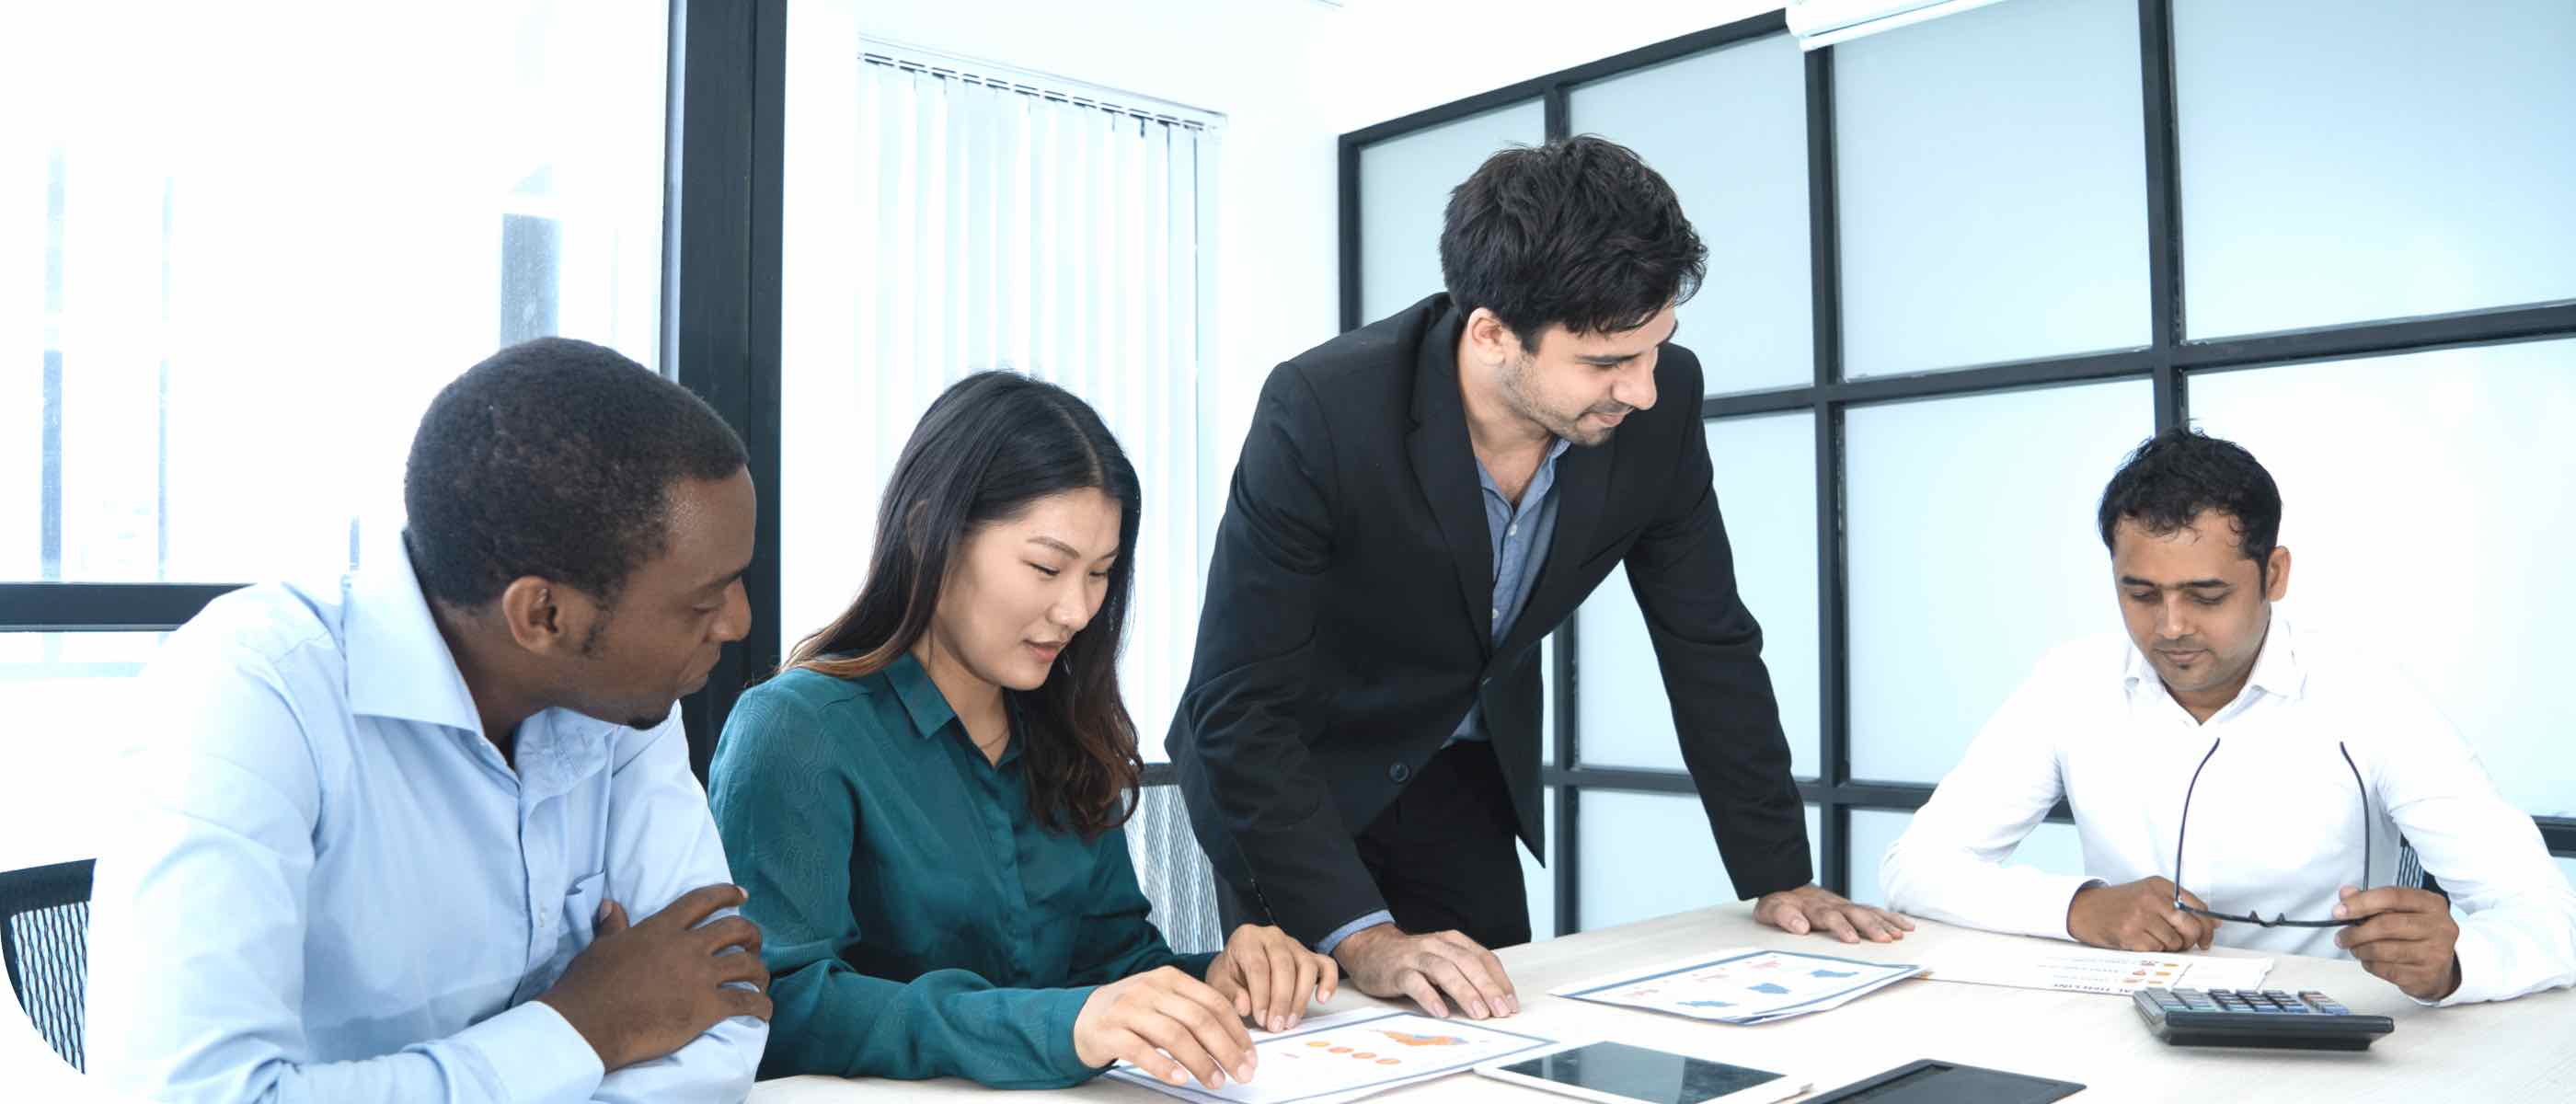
(554, 458)
(2179, 473)
(1577, 232)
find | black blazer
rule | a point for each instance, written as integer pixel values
(1348, 622)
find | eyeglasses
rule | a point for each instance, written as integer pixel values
(2278, 920)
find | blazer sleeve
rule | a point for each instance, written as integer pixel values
(1259, 803)
(1710, 653)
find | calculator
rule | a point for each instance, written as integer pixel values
(2307, 1020)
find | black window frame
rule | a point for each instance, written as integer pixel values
(2169, 362)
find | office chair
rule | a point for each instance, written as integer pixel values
(44, 942)
(1173, 871)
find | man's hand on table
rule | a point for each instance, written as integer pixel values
(1811, 908)
(1436, 970)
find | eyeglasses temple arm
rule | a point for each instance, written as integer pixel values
(2366, 833)
(2182, 831)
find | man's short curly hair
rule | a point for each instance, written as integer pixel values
(554, 458)
(2176, 475)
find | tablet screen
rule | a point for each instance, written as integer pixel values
(1640, 1074)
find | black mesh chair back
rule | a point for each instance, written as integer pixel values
(2410, 870)
(44, 941)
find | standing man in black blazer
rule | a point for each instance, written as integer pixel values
(1418, 503)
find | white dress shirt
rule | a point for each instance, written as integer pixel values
(328, 886)
(2276, 823)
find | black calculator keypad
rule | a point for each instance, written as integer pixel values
(2306, 1020)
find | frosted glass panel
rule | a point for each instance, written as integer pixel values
(1972, 552)
(1728, 130)
(1547, 702)
(1540, 881)
(2471, 447)
(1992, 177)
(1766, 490)
(1648, 854)
(2052, 847)
(1404, 188)
(2348, 161)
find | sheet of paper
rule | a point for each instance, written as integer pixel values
(1743, 985)
(2090, 970)
(1350, 1055)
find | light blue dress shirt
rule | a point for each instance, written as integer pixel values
(326, 885)
(1520, 532)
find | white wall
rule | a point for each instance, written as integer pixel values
(1290, 76)
(1481, 46)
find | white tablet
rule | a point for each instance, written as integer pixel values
(1616, 1073)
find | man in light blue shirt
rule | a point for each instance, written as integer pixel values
(384, 837)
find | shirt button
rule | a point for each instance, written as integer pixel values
(1512, 530)
(1398, 773)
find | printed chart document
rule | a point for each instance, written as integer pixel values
(1743, 985)
(1350, 1055)
(2092, 970)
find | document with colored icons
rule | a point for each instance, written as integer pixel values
(1745, 985)
(2083, 970)
(1350, 1055)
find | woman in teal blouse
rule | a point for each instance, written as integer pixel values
(925, 806)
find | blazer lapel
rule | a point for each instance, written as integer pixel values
(1445, 466)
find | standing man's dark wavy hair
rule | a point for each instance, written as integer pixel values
(1577, 232)
(2177, 474)
(990, 446)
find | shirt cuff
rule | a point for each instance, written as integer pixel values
(2482, 970)
(1195, 965)
(1058, 1009)
(1325, 946)
(535, 1054)
(2052, 905)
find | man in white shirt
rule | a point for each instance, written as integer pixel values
(2299, 761)
(382, 838)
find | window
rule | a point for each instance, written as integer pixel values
(2450, 133)
(248, 292)
(1991, 187)
(246, 248)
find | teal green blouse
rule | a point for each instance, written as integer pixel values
(916, 920)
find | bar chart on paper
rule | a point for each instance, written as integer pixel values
(1349, 1056)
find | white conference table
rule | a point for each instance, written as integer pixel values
(2510, 1051)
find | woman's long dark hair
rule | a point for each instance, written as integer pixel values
(992, 444)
